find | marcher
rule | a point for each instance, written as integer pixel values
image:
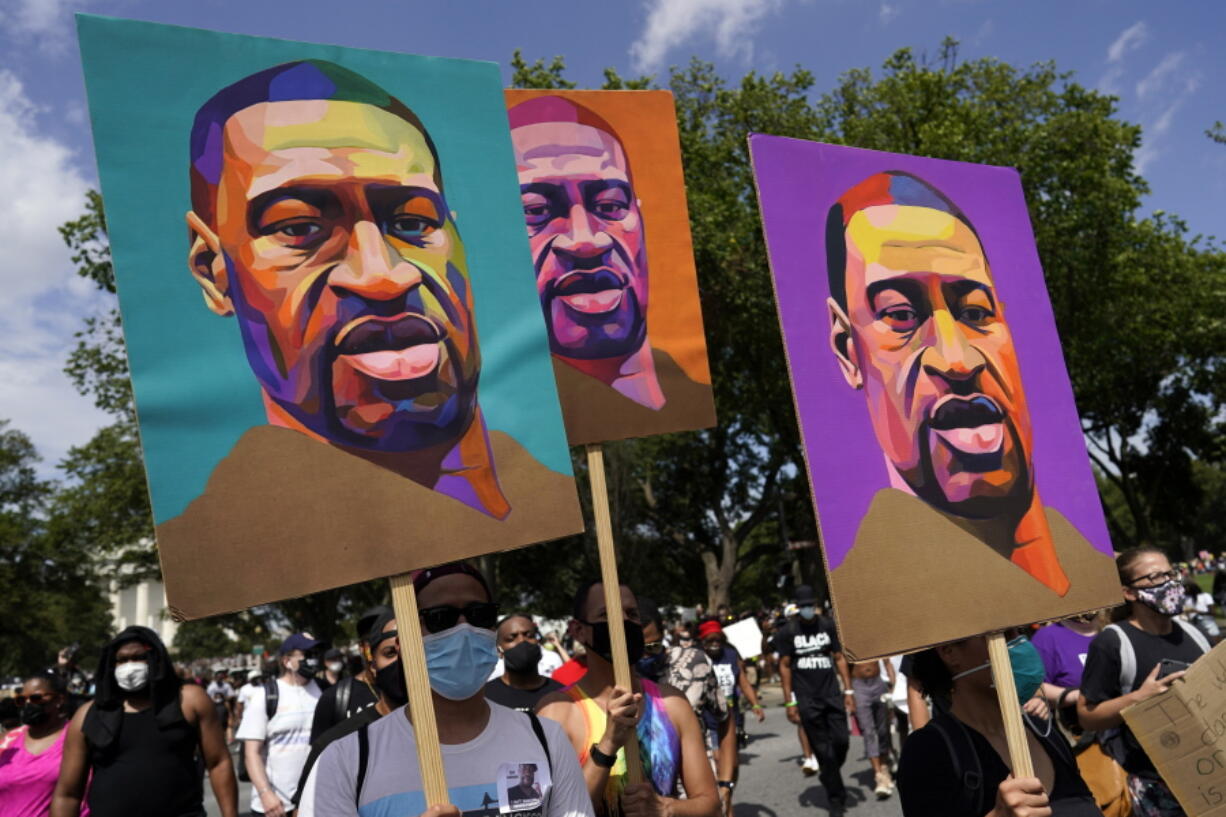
(222, 695)
(276, 730)
(333, 671)
(733, 682)
(352, 693)
(524, 679)
(140, 739)
(956, 765)
(380, 644)
(812, 663)
(481, 742)
(244, 693)
(30, 755)
(1064, 646)
(600, 718)
(1123, 667)
(872, 713)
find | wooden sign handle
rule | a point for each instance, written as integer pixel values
(1010, 709)
(413, 660)
(612, 594)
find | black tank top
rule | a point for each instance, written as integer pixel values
(150, 772)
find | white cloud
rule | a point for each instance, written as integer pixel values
(984, 31)
(1157, 78)
(46, 24)
(732, 24)
(1130, 39)
(888, 12)
(44, 300)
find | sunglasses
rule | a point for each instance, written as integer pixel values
(37, 699)
(482, 614)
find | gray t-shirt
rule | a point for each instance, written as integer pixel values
(502, 771)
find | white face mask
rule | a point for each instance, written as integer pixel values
(335, 666)
(132, 675)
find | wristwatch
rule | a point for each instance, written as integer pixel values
(600, 758)
(849, 692)
(727, 784)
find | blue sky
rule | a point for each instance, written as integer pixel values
(1163, 61)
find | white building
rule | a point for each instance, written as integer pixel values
(143, 604)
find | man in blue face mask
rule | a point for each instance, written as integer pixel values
(485, 746)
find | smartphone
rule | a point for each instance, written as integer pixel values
(1170, 665)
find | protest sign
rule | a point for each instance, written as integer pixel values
(603, 201)
(746, 637)
(942, 443)
(1183, 731)
(602, 238)
(338, 371)
(366, 388)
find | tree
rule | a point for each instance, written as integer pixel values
(50, 599)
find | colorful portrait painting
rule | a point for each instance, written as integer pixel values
(943, 445)
(603, 201)
(316, 251)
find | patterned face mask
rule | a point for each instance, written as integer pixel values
(1166, 598)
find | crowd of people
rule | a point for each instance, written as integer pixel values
(530, 727)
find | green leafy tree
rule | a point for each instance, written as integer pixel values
(50, 598)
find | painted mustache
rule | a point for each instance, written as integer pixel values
(372, 334)
(962, 412)
(586, 282)
(972, 425)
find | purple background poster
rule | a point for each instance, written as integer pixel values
(798, 181)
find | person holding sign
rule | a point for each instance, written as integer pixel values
(1134, 660)
(600, 718)
(486, 747)
(812, 664)
(956, 766)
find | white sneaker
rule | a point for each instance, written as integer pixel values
(810, 767)
(885, 786)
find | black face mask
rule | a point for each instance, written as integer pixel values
(523, 658)
(652, 667)
(33, 714)
(308, 667)
(390, 681)
(600, 640)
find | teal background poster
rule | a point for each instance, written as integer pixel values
(195, 391)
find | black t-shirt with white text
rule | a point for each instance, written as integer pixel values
(1101, 679)
(811, 645)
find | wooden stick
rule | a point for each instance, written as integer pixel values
(1010, 708)
(413, 660)
(612, 594)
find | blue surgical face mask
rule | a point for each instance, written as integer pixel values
(1027, 665)
(808, 612)
(459, 660)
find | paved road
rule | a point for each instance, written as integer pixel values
(771, 783)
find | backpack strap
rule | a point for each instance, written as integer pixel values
(363, 759)
(343, 689)
(540, 735)
(272, 696)
(1128, 658)
(1194, 633)
(970, 791)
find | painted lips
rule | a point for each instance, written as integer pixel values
(405, 347)
(591, 292)
(973, 425)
